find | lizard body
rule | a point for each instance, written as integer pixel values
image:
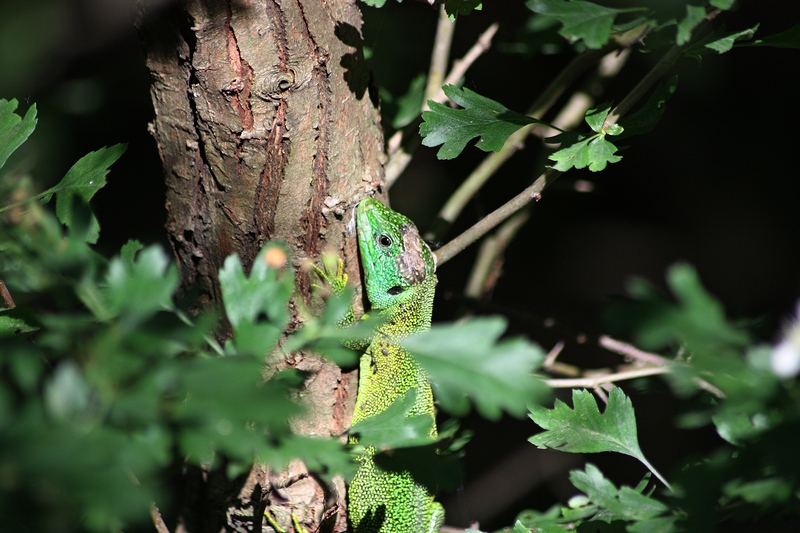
(400, 280)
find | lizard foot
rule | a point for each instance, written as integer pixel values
(278, 529)
(331, 274)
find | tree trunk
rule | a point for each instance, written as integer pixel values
(267, 129)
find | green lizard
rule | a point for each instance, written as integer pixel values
(400, 282)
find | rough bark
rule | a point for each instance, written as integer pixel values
(267, 130)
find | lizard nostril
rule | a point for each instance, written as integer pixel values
(394, 291)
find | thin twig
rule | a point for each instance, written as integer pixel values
(600, 379)
(492, 248)
(440, 55)
(400, 152)
(483, 226)
(631, 351)
(493, 161)
(404, 142)
(485, 272)
(7, 299)
(155, 515)
(460, 66)
(555, 367)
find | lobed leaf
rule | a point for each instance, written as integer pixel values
(479, 117)
(611, 503)
(84, 179)
(645, 119)
(393, 427)
(594, 152)
(785, 39)
(466, 361)
(719, 41)
(581, 20)
(461, 7)
(584, 429)
(256, 305)
(14, 130)
(694, 16)
(141, 287)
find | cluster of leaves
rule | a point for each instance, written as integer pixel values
(751, 475)
(588, 26)
(107, 388)
(754, 409)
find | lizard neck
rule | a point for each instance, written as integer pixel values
(413, 314)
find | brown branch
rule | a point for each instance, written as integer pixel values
(591, 382)
(483, 226)
(650, 365)
(161, 526)
(7, 299)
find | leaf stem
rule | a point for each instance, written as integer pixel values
(30, 199)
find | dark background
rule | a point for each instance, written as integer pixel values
(716, 185)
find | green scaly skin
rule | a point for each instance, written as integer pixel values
(400, 282)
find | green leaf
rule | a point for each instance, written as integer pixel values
(326, 335)
(139, 289)
(614, 504)
(14, 322)
(588, 21)
(659, 524)
(84, 179)
(410, 104)
(66, 394)
(694, 16)
(645, 119)
(376, 3)
(256, 305)
(584, 429)
(698, 318)
(785, 39)
(594, 152)
(14, 130)
(719, 41)
(462, 7)
(722, 4)
(480, 117)
(466, 360)
(324, 456)
(224, 406)
(394, 428)
(775, 490)
(597, 116)
(549, 521)
(426, 465)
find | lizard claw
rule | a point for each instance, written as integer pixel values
(331, 274)
(278, 529)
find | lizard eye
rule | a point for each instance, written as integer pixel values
(384, 241)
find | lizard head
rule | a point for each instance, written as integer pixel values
(395, 258)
